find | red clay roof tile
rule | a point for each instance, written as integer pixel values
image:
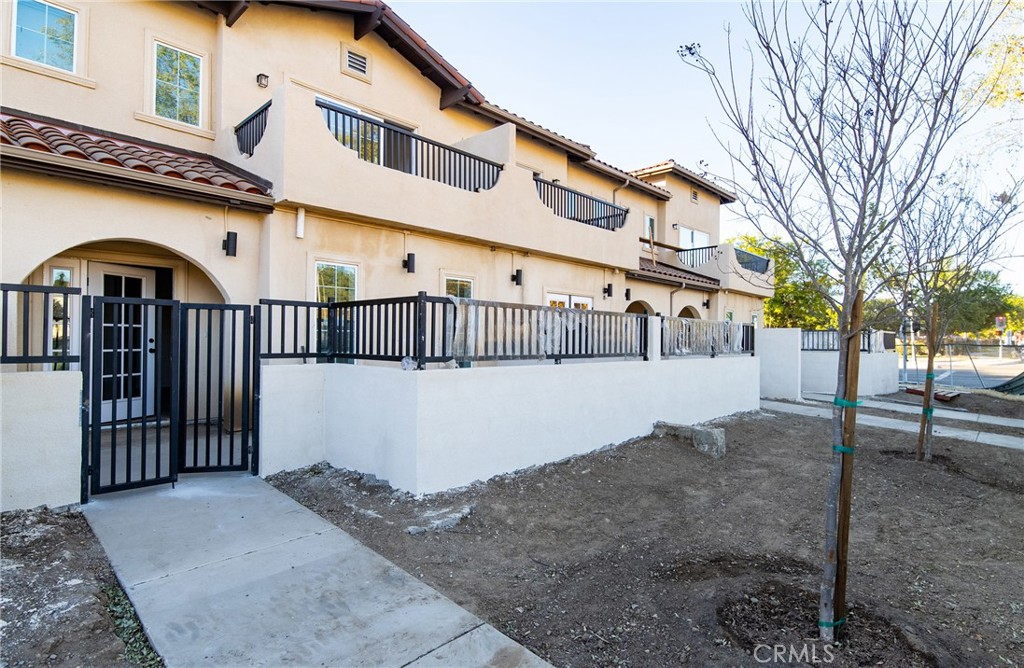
(93, 146)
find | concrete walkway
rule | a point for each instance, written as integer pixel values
(224, 570)
(962, 416)
(1000, 440)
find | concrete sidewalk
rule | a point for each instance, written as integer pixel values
(961, 415)
(999, 440)
(224, 570)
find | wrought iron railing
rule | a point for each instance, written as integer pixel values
(751, 261)
(574, 205)
(695, 257)
(681, 337)
(494, 331)
(395, 148)
(36, 325)
(826, 340)
(249, 132)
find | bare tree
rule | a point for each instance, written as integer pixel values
(841, 118)
(944, 241)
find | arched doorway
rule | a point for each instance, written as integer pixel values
(640, 307)
(166, 364)
(689, 312)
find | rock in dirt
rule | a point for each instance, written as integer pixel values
(708, 440)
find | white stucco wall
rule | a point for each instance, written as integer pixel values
(779, 352)
(40, 439)
(291, 416)
(879, 372)
(433, 430)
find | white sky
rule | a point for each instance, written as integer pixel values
(606, 74)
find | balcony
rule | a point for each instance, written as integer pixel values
(735, 269)
(383, 144)
(328, 158)
(573, 205)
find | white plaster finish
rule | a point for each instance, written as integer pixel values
(779, 352)
(40, 439)
(879, 372)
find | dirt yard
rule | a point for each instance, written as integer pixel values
(645, 554)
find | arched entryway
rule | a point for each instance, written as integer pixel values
(641, 307)
(689, 312)
(166, 364)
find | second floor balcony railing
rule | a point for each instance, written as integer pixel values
(249, 133)
(395, 148)
(574, 205)
(695, 257)
(751, 261)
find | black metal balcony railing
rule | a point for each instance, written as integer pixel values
(695, 257)
(751, 261)
(392, 147)
(249, 132)
(568, 203)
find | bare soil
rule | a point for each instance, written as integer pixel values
(644, 554)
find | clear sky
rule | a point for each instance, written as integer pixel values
(606, 74)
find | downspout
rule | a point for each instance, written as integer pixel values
(616, 190)
(671, 296)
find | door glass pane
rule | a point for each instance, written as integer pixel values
(112, 285)
(132, 287)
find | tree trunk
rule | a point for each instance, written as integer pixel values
(826, 605)
(924, 434)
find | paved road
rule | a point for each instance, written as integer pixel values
(963, 371)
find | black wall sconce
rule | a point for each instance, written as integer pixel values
(230, 244)
(706, 303)
(607, 290)
(409, 263)
(262, 80)
(517, 277)
(628, 294)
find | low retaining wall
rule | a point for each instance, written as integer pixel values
(427, 431)
(40, 439)
(779, 352)
(879, 372)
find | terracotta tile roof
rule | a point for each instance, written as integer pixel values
(649, 266)
(96, 147)
(672, 166)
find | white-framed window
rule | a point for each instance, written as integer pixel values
(45, 33)
(177, 84)
(690, 238)
(455, 286)
(560, 300)
(335, 282)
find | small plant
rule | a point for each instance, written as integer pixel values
(137, 650)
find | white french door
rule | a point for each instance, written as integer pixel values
(128, 335)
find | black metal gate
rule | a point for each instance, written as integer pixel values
(167, 390)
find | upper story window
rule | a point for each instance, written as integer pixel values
(45, 34)
(649, 228)
(689, 238)
(178, 90)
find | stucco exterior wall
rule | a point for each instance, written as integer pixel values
(879, 372)
(40, 439)
(429, 431)
(779, 352)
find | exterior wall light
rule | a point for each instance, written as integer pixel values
(607, 290)
(706, 303)
(230, 244)
(628, 294)
(262, 80)
(517, 277)
(409, 263)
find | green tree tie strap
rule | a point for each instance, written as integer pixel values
(842, 448)
(930, 376)
(839, 401)
(927, 412)
(838, 622)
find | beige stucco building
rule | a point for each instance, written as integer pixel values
(227, 152)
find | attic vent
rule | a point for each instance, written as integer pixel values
(358, 63)
(693, 196)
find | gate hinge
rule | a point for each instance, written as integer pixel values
(252, 319)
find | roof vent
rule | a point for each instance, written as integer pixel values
(358, 62)
(693, 196)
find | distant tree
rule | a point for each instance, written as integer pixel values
(944, 242)
(883, 313)
(856, 102)
(1003, 81)
(796, 302)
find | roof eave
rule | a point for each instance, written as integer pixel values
(51, 164)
